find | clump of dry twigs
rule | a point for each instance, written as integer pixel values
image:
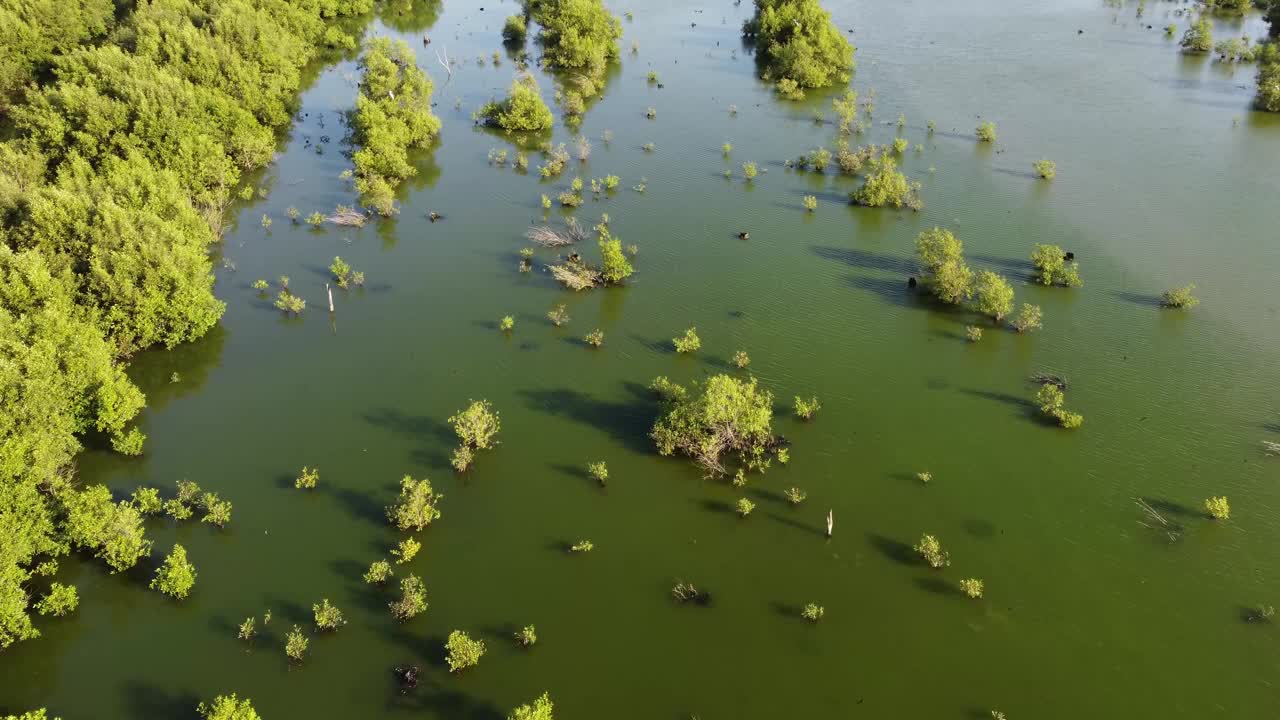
(547, 236)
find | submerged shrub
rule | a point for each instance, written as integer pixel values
(941, 256)
(308, 479)
(477, 426)
(60, 600)
(176, 576)
(598, 471)
(582, 546)
(1051, 267)
(248, 629)
(884, 185)
(412, 601)
(1028, 318)
(1050, 399)
(579, 35)
(1046, 169)
(328, 617)
(986, 131)
(228, 707)
(805, 409)
(994, 295)
(378, 573)
(405, 550)
(539, 710)
(1181, 297)
(689, 342)
(1218, 508)
(810, 203)
(1198, 38)
(744, 507)
(462, 651)
(296, 644)
(741, 360)
(417, 507)
(795, 495)
(514, 29)
(526, 636)
(506, 323)
(971, 587)
(725, 416)
(813, 612)
(931, 550)
(799, 44)
(749, 170)
(558, 315)
(972, 333)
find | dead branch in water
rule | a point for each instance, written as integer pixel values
(346, 216)
(1271, 448)
(547, 236)
(1173, 530)
(575, 275)
(1050, 379)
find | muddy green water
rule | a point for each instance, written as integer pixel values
(1165, 177)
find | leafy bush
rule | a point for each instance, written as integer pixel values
(60, 600)
(798, 42)
(523, 110)
(972, 333)
(741, 360)
(417, 506)
(477, 426)
(1199, 37)
(176, 576)
(514, 29)
(1028, 318)
(582, 546)
(598, 471)
(941, 257)
(328, 617)
(994, 295)
(507, 323)
(813, 612)
(749, 170)
(805, 409)
(462, 651)
(308, 479)
(412, 601)
(405, 550)
(228, 707)
(539, 710)
(810, 203)
(971, 587)
(931, 550)
(296, 644)
(527, 636)
(689, 342)
(579, 35)
(378, 573)
(1050, 399)
(884, 185)
(795, 495)
(986, 131)
(558, 315)
(1051, 267)
(1181, 297)
(725, 416)
(1046, 169)
(1218, 508)
(744, 507)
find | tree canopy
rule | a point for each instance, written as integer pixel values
(579, 35)
(523, 110)
(723, 416)
(797, 42)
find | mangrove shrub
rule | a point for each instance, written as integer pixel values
(725, 417)
(797, 42)
(523, 110)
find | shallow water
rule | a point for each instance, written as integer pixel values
(1165, 177)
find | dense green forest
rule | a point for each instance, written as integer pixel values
(128, 128)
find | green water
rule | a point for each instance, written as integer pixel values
(1165, 177)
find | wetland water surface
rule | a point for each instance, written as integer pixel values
(1165, 176)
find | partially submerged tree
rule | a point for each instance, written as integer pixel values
(723, 419)
(931, 550)
(228, 707)
(797, 42)
(1180, 297)
(946, 274)
(523, 110)
(412, 601)
(884, 185)
(576, 35)
(462, 651)
(1051, 401)
(539, 710)
(417, 506)
(176, 576)
(1198, 38)
(993, 295)
(1053, 268)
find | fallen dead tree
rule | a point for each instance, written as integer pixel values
(547, 236)
(348, 216)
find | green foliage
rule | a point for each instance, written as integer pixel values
(971, 587)
(749, 170)
(741, 360)
(1180, 297)
(296, 644)
(477, 426)
(147, 501)
(539, 710)
(527, 636)
(406, 550)
(1050, 400)
(972, 333)
(558, 315)
(884, 185)
(1051, 267)
(810, 203)
(993, 295)
(689, 342)
(931, 550)
(523, 110)
(328, 617)
(412, 601)
(341, 271)
(795, 495)
(462, 651)
(316, 219)
(595, 338)
(947, 275)
(1218, 508)
(1268, 94)
(176, 576)
(598, 471)
(805, 409)
(417, 506)
(798, 42)
(986, 131)
(614, 264)
(1046, 169)
(113, 531)
(925, 477)
(813, 612)
(393, 114)
(514, 29)
(726, 149)
(579, 35)
(507, 323)
(378, 573)
(216, 510)
(900, 145)
(582, 546)
(248, 630)
(130, 443)
(744, 507)
(289, 303)
(228, 707)
(1028, 318)
(1199, 37)
(308, 479)
(60, 600)
(725, 416)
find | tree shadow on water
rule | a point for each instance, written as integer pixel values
(147, 701)
(1025, 407)
(627, 422)
(899, 552)
(1145, 299)
(422, 427)
(936, 585)
(866, 260)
